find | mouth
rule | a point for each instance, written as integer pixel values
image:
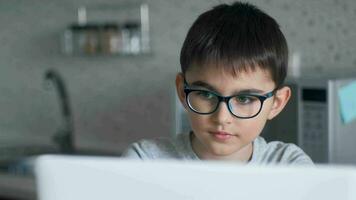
(221, 135)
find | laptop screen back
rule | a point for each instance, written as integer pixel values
(93, 178)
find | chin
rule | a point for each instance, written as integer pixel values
(224, 151)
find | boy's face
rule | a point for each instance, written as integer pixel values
(221, 134)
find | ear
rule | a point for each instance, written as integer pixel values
(180, 88)
(281, 98)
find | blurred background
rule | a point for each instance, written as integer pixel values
(117, 93)
(91, 76)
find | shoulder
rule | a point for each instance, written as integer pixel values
(149, 148)
(160, 148)
(280, 153)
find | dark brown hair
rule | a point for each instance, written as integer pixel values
(237, 37)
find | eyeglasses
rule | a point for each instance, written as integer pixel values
(242, 106)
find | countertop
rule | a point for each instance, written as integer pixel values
(17, 186)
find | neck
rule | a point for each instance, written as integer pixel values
(242, 155)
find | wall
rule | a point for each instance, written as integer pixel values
(117, 100)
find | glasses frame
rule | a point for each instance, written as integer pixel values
(226, 99)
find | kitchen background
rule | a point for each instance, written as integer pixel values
(116, 100)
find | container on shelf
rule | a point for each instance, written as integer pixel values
(120, 36)
(131, 38)
(111, 39)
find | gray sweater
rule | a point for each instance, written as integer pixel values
(180, 147)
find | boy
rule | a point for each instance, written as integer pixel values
(234, 62)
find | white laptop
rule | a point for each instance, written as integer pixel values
(107, 178)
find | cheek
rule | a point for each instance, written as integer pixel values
(197, 122)
(255, 126)
(266, 109)
(249, 129)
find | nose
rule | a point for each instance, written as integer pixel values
(222, 115)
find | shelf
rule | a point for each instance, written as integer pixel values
(109, 30)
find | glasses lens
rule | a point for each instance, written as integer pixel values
(202, 101)
(245, 105)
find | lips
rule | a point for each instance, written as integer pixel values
(221, 135)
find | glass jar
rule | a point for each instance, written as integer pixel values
(74, 39)
(111, 39)
(131, 36)
(91, 44)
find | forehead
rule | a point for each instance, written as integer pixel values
(226, 82)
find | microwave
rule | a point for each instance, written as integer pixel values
(312, 119)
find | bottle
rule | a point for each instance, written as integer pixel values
(111, 38)
(75, 38)
(91, 45)
(131, 38)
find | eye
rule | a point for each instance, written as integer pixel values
(206, 95)
(244, 99)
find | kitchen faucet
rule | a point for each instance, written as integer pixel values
(64, 136)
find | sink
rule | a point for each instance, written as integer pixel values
(17, 160)
(18, 167)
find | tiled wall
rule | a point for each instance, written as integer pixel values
(117, 100)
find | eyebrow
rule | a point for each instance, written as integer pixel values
(211, 88)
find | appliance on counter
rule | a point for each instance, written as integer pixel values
(311, 120)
